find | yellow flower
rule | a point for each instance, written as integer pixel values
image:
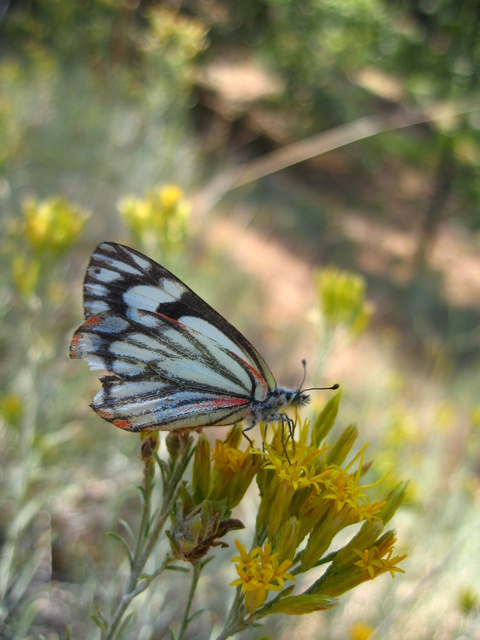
(53, 225)
(160, 217)
(361, 631)
(344, 491)
(342, 296)
(373, 562)
(170, 196)
(25, 274)
(298, 468)
(228, 457)
(260, 572)
(233, 470)
(11, 408)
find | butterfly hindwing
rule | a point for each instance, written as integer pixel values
(141, 404)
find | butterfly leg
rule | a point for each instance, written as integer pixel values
(248, 429)
(292, 425)
(283, 418)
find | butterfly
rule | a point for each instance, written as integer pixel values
(173, 361)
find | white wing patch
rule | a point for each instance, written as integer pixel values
(205, 328)
(95, 289)
(95, 307)
(141, 262)
(124, 267)
(104, 275)
(148, 298)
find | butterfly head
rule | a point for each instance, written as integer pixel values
(300, 397)
(297, 398)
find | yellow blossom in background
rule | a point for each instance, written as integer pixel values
(176, 36)
(260, 572)
(170, 196)
(445, 416)
(468, 600)
(57, 292)
(342, 297)
(475, 416)
(11, 408)
(159, 219)
(25, 274)
(361, 631)
(52, 226)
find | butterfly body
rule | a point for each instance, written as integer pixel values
(173, 361)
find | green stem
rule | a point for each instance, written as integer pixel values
(197, 569)
(144, 547)
(235, 619)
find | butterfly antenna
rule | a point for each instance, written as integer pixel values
(332, 388)
(304, 365)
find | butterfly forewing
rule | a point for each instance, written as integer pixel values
(176, 361)
(123, 280)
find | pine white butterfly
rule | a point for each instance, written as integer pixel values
(174, 362)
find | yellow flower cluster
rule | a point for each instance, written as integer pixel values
(158, 219)
(309, 493)
(49, 228)
(260, 572)
(175, 35)
(342, 296)
(232, 471)
(53, 226)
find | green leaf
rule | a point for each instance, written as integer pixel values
(143, 495)
(305, 603)
(196, 615)
(173, 567)
(128, 529)
(393, 501)
(164, 468)
(124, 544)
(98, 620)
(326, 419)
(207, 561)
(124, 625)
(342, 447)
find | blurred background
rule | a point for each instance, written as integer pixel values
(311, 168)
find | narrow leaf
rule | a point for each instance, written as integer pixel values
(172, 567)
(128, 529)
(124, 544)
(326, 419)
(124, 624)
(196, 615)
(98, 621)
